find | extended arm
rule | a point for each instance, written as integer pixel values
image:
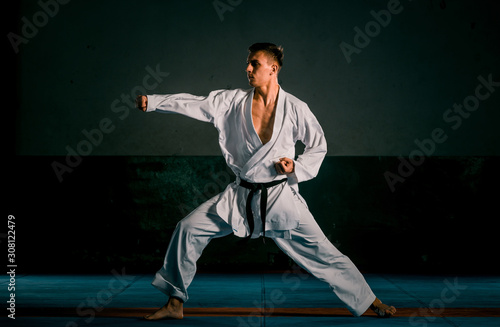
(203, 108)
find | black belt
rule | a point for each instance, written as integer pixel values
(254, 187)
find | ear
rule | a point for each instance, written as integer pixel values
(274, 69)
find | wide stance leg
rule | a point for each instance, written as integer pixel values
(311, 250)
(189, 239)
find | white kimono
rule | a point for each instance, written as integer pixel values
(230, 111)
(288, 220)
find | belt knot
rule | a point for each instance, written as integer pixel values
(254, 187)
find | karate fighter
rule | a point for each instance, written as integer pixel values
(258, 129)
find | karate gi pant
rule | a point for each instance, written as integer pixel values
(308, 247)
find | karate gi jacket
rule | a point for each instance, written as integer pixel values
(230, 111)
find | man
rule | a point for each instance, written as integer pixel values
(258, 129)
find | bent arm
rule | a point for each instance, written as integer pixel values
(310, 133)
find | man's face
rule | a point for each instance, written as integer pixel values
(261, 69)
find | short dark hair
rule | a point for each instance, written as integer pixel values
(276, 52)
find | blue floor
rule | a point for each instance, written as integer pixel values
(273, 321)
(277, 290)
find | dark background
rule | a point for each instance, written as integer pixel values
(120, 212)
(87, 60)
(118, 204)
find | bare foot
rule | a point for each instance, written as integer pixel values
(172, 310)
(383, 310)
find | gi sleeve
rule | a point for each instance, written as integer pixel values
(310, 133)
(203, 108)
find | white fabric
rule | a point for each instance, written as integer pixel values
(230, 111)
(288, 222)
(312, 250)
(307, 246)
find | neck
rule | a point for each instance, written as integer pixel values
(268, 93)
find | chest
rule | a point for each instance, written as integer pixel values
(263, 120)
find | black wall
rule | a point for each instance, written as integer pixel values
(80, 70)
(121, 211)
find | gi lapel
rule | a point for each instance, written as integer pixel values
(265, 149)
(254, 139)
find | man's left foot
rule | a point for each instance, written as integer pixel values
(172, 310)
(383, 310)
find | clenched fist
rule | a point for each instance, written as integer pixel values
(141, 102)
(285, 166)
